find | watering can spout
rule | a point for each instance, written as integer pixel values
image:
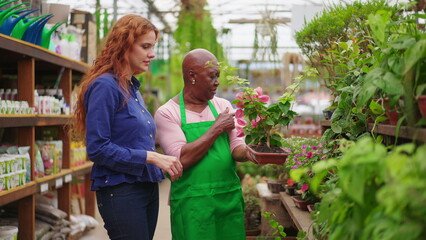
(8, 25)
(6, 13)
(45, 38)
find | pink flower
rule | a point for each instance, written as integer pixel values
(304, 146)
(254, 123)
(241, 122)
(239, 105)
(239, 113)
(295, 166)
(264, 98)
(259, 91)
(314, 148)
(309, 155)
(305, 187)
(239, 96)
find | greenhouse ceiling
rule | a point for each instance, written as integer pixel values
(235, 20)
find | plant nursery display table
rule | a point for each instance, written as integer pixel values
(302, 219)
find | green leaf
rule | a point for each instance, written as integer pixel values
(324, 165)
(420, 89)
(390, 84)
(378, 23)
(414, 55)
(403, 43)
(376, 108)
(380, 119)
(284, 107)
(316, 181)
(297, 174)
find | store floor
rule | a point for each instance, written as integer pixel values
(163, 226)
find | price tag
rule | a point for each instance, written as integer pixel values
(68, 178)
(59, 182)
(44, 187)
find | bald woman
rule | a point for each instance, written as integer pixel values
(199, 129)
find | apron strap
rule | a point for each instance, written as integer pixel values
(183, 112)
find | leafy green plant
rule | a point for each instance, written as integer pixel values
(339, 22)
(276, 227)
(399, 67)
(378, 194)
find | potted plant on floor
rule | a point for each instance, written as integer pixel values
(251, 205)
(259, 121)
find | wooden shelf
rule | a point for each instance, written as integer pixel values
(404, 132)
(17, 193)
(390, 130)
(33, 120)
(10, 47)
(33, 65)
(302, 219)
(82, 169)
(325, 123)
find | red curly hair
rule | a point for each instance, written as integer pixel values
(114, 58)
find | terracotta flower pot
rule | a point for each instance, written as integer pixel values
(263, 158)
(391, 113)
(422, 105)
(302, 204)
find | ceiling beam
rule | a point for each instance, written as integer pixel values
(153, 9)
(244, 20)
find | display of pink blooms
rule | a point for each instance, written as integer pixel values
(259, 116)
(239, 114)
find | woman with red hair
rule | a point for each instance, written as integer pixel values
(120, 132)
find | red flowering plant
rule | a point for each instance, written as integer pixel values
(258, 119)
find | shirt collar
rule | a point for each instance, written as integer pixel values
(135, 82)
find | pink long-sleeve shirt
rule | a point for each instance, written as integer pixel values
(168, 121)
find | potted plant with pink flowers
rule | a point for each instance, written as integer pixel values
(259, 119)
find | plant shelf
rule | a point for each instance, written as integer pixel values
(418, 134)
(302, 219)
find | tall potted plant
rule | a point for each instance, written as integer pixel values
(260, 121)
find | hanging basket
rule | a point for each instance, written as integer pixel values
(263, 158)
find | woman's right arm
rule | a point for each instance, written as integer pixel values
(102, 100)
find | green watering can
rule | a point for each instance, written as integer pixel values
(5, 13)
(7, 26)
(46, 33)
(22, 25)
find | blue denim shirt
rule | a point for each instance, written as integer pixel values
(118, 136)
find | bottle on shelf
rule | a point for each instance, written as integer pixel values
(36, 102)
(14, 95)
(7, 94)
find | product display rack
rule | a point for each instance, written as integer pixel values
(33, 65)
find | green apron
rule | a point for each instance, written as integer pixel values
(206, 203)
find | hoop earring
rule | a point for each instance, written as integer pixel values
(193, 81)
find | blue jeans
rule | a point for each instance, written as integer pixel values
(129, 210)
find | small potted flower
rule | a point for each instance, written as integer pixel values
(260, 121)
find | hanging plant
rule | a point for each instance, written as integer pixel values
(193, 19)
